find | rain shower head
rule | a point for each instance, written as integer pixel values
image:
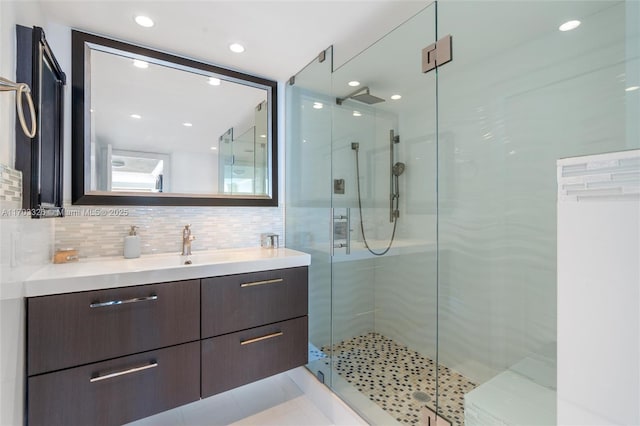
(361, 95)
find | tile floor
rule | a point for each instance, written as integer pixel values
(276, 400)
(390, 374)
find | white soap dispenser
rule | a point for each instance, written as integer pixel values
(132, 244)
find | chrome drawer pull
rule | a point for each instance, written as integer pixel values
(122, 302)
(153, 364)
(257, 339)
(277, 280)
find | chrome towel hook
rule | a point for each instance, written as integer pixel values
(20, 88)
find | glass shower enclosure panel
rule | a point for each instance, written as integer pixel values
(519, 95)
(308, 196)
(383, 228)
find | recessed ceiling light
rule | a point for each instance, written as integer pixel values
(354, 83)
(140, 64)
(236, 48)
(136, 116)
(187, 124)
(317, 105)
(214, 81)
(631, 88)
(214, 148)
(396, 97)
(569, 25)
(144, 21)
(357, 114)
(263, 136)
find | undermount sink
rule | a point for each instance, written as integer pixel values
(197, 258)
(168, 260)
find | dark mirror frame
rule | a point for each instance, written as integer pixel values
(80, 145)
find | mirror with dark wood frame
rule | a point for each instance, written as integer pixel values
(152, 128)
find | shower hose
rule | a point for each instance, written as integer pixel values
(364, 237)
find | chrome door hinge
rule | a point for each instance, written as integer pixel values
(436, 54)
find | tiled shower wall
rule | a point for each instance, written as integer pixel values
(100, 230)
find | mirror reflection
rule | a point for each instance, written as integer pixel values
(151, 128)
(148, 118)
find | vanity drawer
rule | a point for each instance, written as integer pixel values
(116, 391)
(72, 329)
(238, 302)
(239, 358)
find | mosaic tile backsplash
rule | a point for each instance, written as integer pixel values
(10, 184)
(100, 230)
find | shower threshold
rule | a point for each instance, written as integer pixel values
(400, 381)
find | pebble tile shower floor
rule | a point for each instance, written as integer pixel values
(389, 374)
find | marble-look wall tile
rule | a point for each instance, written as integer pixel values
(100, 231)
(10, 184)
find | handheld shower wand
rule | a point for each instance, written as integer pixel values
(396, 170)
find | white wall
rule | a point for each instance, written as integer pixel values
(24, 243)
(193, 172)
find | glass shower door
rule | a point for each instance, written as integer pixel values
(383, 228)
(308, 196)
(519, 95)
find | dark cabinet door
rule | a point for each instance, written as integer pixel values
(238, 302)
(79, 328)
(239, 358)
(116, 391)
(40, 158)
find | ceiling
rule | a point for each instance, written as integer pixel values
(280, 37)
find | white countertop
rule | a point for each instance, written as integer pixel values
(110, 272)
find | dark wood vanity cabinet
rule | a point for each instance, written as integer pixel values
(116, 391)
(237, 302)
(235, 359)
(66, 330)
(253, 326)
(108, 357)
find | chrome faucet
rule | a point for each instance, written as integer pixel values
(186, 240)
